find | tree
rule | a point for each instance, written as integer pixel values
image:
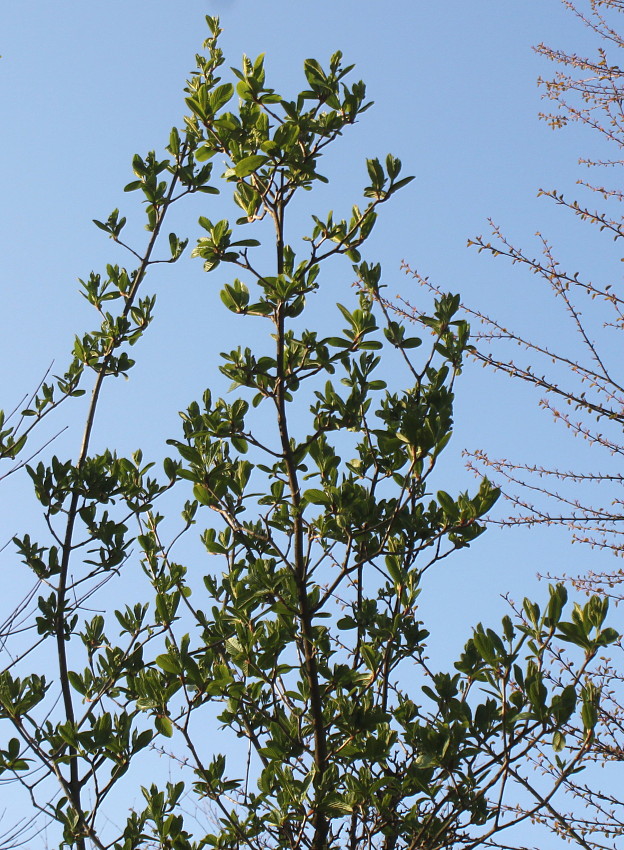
(589, 91)
(582, 388)
(302, 634)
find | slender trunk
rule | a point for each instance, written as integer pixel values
(74, 783)
(319, 820)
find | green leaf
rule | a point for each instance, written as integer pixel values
(249, 164)
(164, 725)
(220, 96)
(447, 503)
(76, 682)
(202, 494)
(169, 664)
(314, 73)
(607, 636)
(204, 153)
(316, 497)
(411, 342)
(400, 184)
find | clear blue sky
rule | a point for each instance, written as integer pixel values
(85, 85)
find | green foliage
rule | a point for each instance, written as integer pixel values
(306, 639)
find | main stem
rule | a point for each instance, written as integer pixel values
(319, 820)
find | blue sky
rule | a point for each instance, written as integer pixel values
(85, 85)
